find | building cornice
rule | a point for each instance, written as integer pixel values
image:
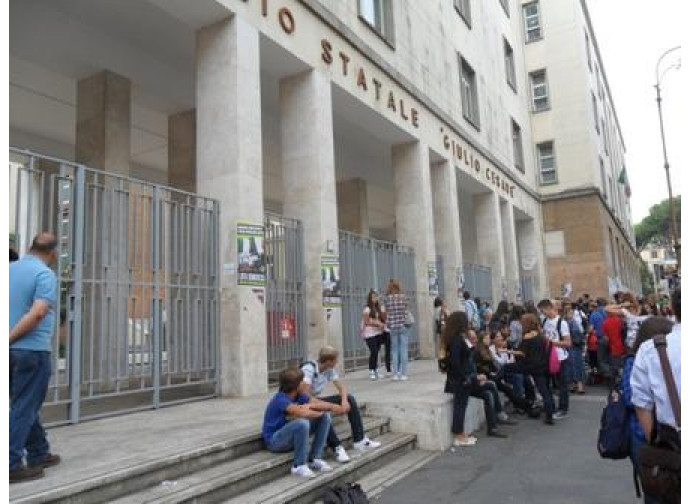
(360, 45)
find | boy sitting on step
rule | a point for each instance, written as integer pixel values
(289, 420)
(316, 376)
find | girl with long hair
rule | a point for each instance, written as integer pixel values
(373, 324)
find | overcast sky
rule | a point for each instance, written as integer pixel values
(631, 37)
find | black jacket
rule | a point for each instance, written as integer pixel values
(459, 366)
(535, 360)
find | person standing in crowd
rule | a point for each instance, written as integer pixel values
(459, 373)
(290, 418)
(515, 327)
(592, 349)
(613, 334)
(533, 361)
(471, 310)
(316, 375)
(373, 324)
(597, 318)
(647, 330)
(556, 329)
(33, 296)
(630, 310)
(577, 339)
(500, 317)
(396, 309)
(440, 318)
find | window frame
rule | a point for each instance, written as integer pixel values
(595, 108)
(589, 52)
(602, 172)
(460, 7)
(387, 30)
(509, 62)
(472, 116)
(545, 85)
(540, 159)
(539, 27)
(519, 153)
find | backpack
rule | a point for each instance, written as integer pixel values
(614, 432)
(345, 493)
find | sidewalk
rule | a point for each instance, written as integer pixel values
(99, 447)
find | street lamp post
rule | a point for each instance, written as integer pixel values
(671, 206)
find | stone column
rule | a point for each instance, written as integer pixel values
(353, 207)
(490, 240)
(228, 140)
(308, 161)
(447, 228)
(510, 252)
(103, 138)
(182, 151)
(415, 228)
(531, 259)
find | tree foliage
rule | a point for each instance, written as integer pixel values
(656, 227)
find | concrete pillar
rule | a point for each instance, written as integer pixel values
(229, 169)
(353, 206)
(490, 240)
(531, 257)
(103, 138)
(510, 252)
(182, 150)
(308, 162)
(415, 228)
(447, 228)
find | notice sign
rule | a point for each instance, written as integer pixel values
(460, 278)
(251, 264)
(330, 280)
(432, 273)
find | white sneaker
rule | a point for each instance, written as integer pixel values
(396, 377)
(341, 455)
(372, 375)
(320, 465)
(303, 471)
(503, 416)
(404, 378)
(366, 444)
(468, 441)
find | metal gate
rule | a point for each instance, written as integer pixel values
(367, 264)
(138, 282)
(478, 282)
(286, 329)
(526, 289)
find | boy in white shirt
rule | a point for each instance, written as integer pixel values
(556, 329)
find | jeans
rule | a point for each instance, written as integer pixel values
(492, 402)
(517, 381)
(353, 416)
(564, 377)
(295, 436)
(374, 344)
(577, 356)
(541, 382)
(460, 399)
(29, 378)
(399, 336)
(603, 358)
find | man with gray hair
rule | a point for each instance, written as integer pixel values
(33, 296)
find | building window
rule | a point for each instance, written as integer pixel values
(510, 65)
(547, 163)
(655, 254)
(532, 22)
(596, 113)
(379, 16)
(463, 8)
(589, 52)
(600, 89)
(506, 6)
(602, 171)
(606, 136)
(540, 91)
(468, 89)
(517, 146)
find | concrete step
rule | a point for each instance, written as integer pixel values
(376, 482)
(230, 478)
(289, 489)
(121, 481)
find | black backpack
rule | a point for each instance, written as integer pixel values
(345, 493)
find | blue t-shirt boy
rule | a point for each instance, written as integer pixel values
(275, 417)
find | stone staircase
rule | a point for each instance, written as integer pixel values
(239, 470)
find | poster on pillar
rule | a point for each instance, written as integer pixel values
(504, 290)
(251, 259)
(566, 290)
(432, 269)
(460, 279)
(330, 281)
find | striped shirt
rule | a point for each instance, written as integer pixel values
(396, 307)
